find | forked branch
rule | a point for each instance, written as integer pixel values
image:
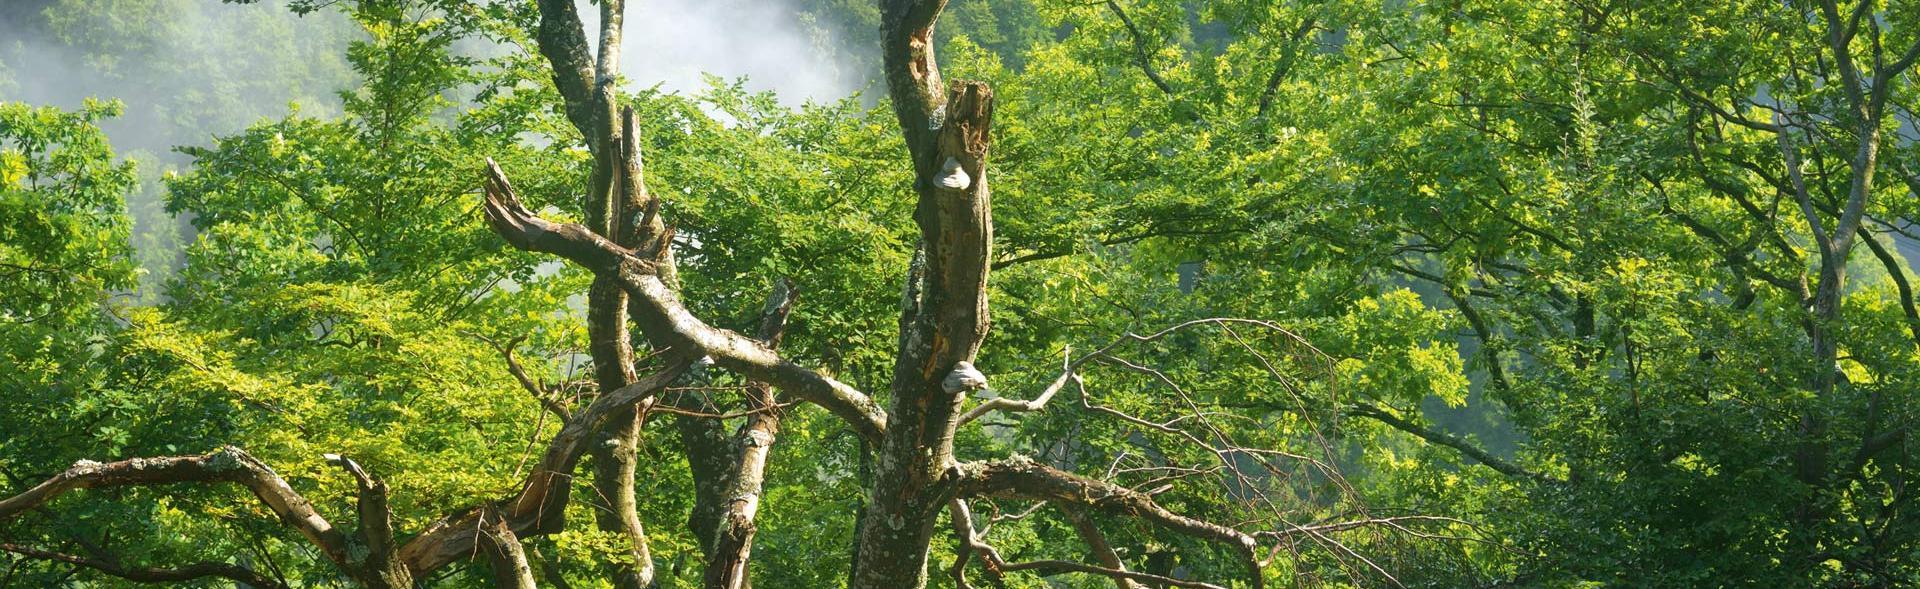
(659, 311)
(971, 542)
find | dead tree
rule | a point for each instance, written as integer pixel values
(944, 318)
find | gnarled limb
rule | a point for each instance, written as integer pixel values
(563, 41)
(665, 319)
(139, 574)
(227, 465)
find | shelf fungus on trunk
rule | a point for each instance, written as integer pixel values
(964, 378)
(953, 176)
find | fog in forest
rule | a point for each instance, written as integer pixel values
(214, 68)
(678, 43)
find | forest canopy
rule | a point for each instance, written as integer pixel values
(959, 293)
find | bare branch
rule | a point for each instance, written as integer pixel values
(1037, 403)
(227, 465)
(659, 311)
(1022, 478)
(540, 393)
(684, 412)
(200, 570)
(1837, 43)
(1097, 542)
(1375, 413)
(997, 565)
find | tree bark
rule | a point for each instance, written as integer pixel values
(505, 555)
(230, 465)
(944, 316)
(732, 530)
(615, 192)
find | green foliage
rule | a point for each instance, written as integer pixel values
(61, 221)
(1536, 230)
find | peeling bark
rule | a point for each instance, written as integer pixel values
(505, 556)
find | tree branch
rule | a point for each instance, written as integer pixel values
(228, 465)
(1022, 478)
(540, 506)
(1141, 54)
(1097, 542)
(376, 524)
(1288, 56)
(997, 565)
(1375, 413)
(200, 570)
(1037, 403)
(1896, 271)
(539, 392)
(661, 314)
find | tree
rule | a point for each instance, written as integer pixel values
(943, 322)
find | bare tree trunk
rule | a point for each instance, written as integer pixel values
(732, 544)
(944, 317)
(730, 472)
(614, 199)
(505, 555)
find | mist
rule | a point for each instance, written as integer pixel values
(205, 69)
(675, 44)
